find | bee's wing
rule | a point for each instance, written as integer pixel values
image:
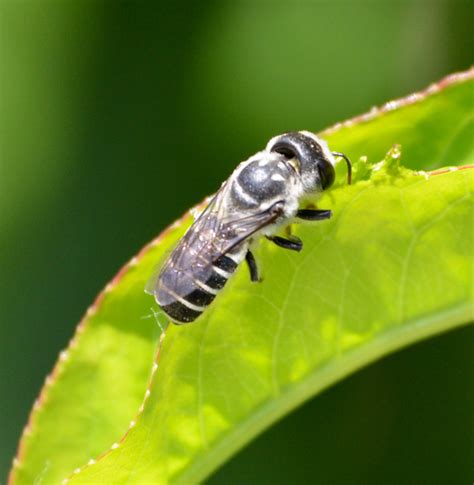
(151, 283)
(216, 232)
(233, 230)
(213, 234)
(193, 248)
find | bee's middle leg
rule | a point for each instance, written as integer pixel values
(293, 243)
(313, 214)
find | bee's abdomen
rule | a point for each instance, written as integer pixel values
(184, 295)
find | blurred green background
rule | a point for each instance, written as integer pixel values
(115, 117)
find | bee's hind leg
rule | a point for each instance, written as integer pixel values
(252, 264)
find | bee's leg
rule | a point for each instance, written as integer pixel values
(313, 214)
(293, 243)
(252, 264)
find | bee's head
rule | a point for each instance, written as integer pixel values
(310, 156)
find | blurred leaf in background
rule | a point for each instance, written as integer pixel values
(117, 116)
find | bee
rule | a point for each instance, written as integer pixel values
(261, 195)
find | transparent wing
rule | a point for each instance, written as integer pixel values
(192, 244)
(213, 234)
(234, 230)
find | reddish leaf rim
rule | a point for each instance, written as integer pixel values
(50, 380)
(403, 102)
(162, 336)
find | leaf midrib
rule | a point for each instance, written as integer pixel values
(404, 334)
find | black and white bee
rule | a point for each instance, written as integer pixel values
(262, 194)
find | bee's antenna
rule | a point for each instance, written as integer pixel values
(349, 165)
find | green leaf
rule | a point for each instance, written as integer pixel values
(434, 127)
(394, 265)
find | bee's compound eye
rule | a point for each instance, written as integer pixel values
(285, 149)
(327, 173)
